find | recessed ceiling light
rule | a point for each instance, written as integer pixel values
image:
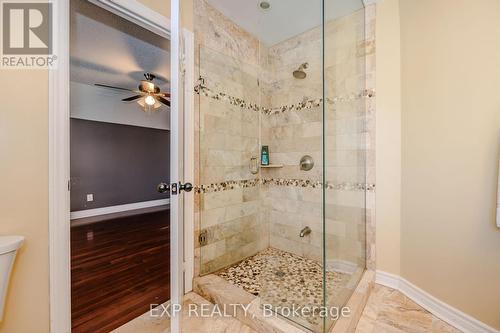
(264, 5)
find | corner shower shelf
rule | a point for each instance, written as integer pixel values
(272, 166)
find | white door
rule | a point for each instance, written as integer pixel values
(178, 185)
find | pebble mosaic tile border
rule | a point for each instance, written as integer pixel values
(306, 105)
(319, 184)
(227, 185)
(245, 183)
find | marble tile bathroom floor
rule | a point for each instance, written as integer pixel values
(389, 311)
(189, 324)
(145, 324)
(281, 279)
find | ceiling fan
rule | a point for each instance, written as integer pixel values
(148, 95)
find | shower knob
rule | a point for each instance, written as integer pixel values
(306, 163)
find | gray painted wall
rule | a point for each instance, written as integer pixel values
(118, 164)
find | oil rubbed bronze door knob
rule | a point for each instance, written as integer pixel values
(163, 187)
(185, 187)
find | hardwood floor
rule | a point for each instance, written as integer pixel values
(118, 268)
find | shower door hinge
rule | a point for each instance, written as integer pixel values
(203, 238)
(182, 56)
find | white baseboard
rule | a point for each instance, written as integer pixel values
(117, 209)
(443, 311)
(387, 279)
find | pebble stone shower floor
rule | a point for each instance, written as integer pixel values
(283, 279)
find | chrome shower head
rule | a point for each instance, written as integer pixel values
(265, 5)
(300, 73)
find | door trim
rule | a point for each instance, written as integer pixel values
(176, 249)
(189, 159)
(59, 199)
(137, 13)
(59, 152)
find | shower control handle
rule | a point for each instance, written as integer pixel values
(306, 163)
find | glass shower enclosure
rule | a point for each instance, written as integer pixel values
(291, 76)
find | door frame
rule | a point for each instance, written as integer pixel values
(59, 152)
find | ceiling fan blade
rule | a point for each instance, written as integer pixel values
(163, 94)
(111, 87)
(133, 98)
(163, 100)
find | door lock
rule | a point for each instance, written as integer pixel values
(174, 188)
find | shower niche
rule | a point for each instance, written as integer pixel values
(295, 77)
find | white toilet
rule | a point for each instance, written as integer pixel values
(8, 249)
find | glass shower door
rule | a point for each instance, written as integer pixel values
(292, 128)
(346, 148)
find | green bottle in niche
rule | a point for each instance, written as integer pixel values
(264, 155)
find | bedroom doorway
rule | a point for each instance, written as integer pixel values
(157, 136)
(119, 154)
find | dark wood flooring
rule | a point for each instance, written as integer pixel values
(118, 268)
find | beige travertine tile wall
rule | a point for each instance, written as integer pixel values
(290, 135)
(243, 221)
(349, 157)
(227, 137)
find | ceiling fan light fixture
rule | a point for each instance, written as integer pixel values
(150, 100)
(147, 107)
(149, 95)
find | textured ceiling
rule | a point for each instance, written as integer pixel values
(285, 18)
(108, 49)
